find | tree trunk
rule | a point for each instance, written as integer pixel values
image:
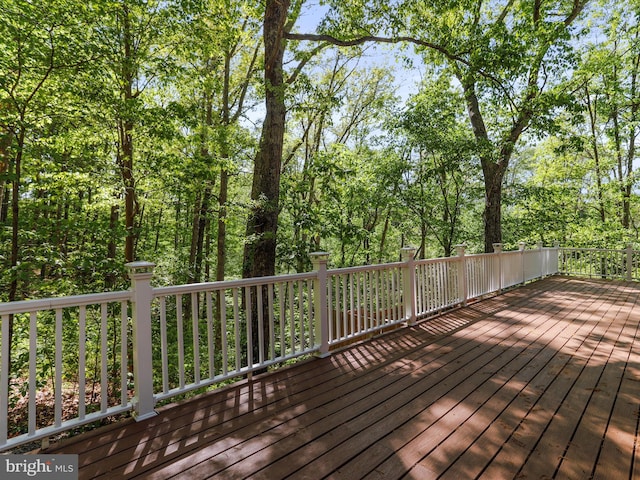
(202, 228)
(260, 248)
(493, 175)
(631, 150)
(5, 143)
(203, 200)
(125, 127)
(130, 200)
(492, 215)
(195, 224)
(494, 157)
(592, 110)
(15, 224)
(4, 198)
(223, 190)
(221, 246)
(114, 218)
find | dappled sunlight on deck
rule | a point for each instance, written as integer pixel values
(539, 382)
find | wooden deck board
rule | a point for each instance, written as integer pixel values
(590, 356)
(515, 416)
(622, 427)
(545, 398)
(489, 399)
(540, 382)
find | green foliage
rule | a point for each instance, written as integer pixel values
(441, 167)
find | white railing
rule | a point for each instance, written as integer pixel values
(134, 348)
(438, 285)
(208, 323)
(600, 263)
(45, 333)
(364, 300)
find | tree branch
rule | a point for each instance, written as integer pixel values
(505, 11)
(330, 40)
(311, 37)
(578, 6)
(294, 75)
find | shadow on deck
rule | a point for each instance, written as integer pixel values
(540, 382)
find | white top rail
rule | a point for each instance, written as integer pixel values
(230, 284)
(26, 306)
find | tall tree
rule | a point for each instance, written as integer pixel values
(262, 225)
(613, 70)
(505, 55)
(336, 106)
(137, 52)
(223, 53)
(260, 248)
(39, 42)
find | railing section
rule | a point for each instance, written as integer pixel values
(111, 353)
(483, 274)
(71, 352)
(600, 263)
(438, 285)
(223, 330)
(364, 300)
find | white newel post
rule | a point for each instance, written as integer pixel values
(143, 401)
(497, 249)
(409, 284)
(321, 315)
(462, 273)
(4, 377)
(541, 258)
(521, 247)
(629, 262)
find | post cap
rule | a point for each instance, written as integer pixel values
(408, 252)
(140, 267)
(319, 258)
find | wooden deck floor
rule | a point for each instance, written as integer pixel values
(540, 382)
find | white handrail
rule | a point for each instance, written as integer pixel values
(26, 306)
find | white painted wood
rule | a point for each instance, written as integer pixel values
(82, 361)
(180, 336)
(195, 336)
(104, 362)
(144, 402)
(124, 380)
(4, 378)
(164, 354)
(33, 352)
(271, 321)
(58, 370)
(210, 335)
(249, 329)
(261, 320)
(223, 334)
(237, 330)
